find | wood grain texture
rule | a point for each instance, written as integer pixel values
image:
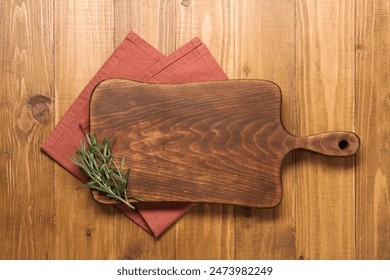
(27, 215)
(330, 59)
(84, 40)
(213, 22)
(217, 142)
(150, 21)
(325, 209)
(372, 122)
(155, 21)
(202, 142)
(206, 20)
(265, 49)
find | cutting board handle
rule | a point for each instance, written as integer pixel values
(338, 143)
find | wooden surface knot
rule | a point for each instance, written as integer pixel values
(247, 211)
(185, 3)
(246, 70)
(39, 106)
(88, 234)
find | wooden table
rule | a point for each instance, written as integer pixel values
(331, 60)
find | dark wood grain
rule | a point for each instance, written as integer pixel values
(219, 142)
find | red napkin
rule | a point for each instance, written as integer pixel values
(134, 59)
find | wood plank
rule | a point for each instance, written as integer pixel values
(265, 50)
(373, 126)
(207, 232)
(84, 40)
(213, 22)
(27, 216)
(154, 22)
(325, 102)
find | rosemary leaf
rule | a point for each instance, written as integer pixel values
(98, 164)
(119, 178)
(122, 163)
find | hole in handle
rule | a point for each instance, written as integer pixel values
(343, 144)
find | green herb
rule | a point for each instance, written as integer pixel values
(98, 164)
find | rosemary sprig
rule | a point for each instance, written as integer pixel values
(98, 164)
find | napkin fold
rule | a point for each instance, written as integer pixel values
(134, 59)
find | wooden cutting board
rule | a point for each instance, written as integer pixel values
(218, 142)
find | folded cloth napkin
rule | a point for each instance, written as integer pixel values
(137, 60)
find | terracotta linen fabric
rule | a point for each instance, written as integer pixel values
(134, 59)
